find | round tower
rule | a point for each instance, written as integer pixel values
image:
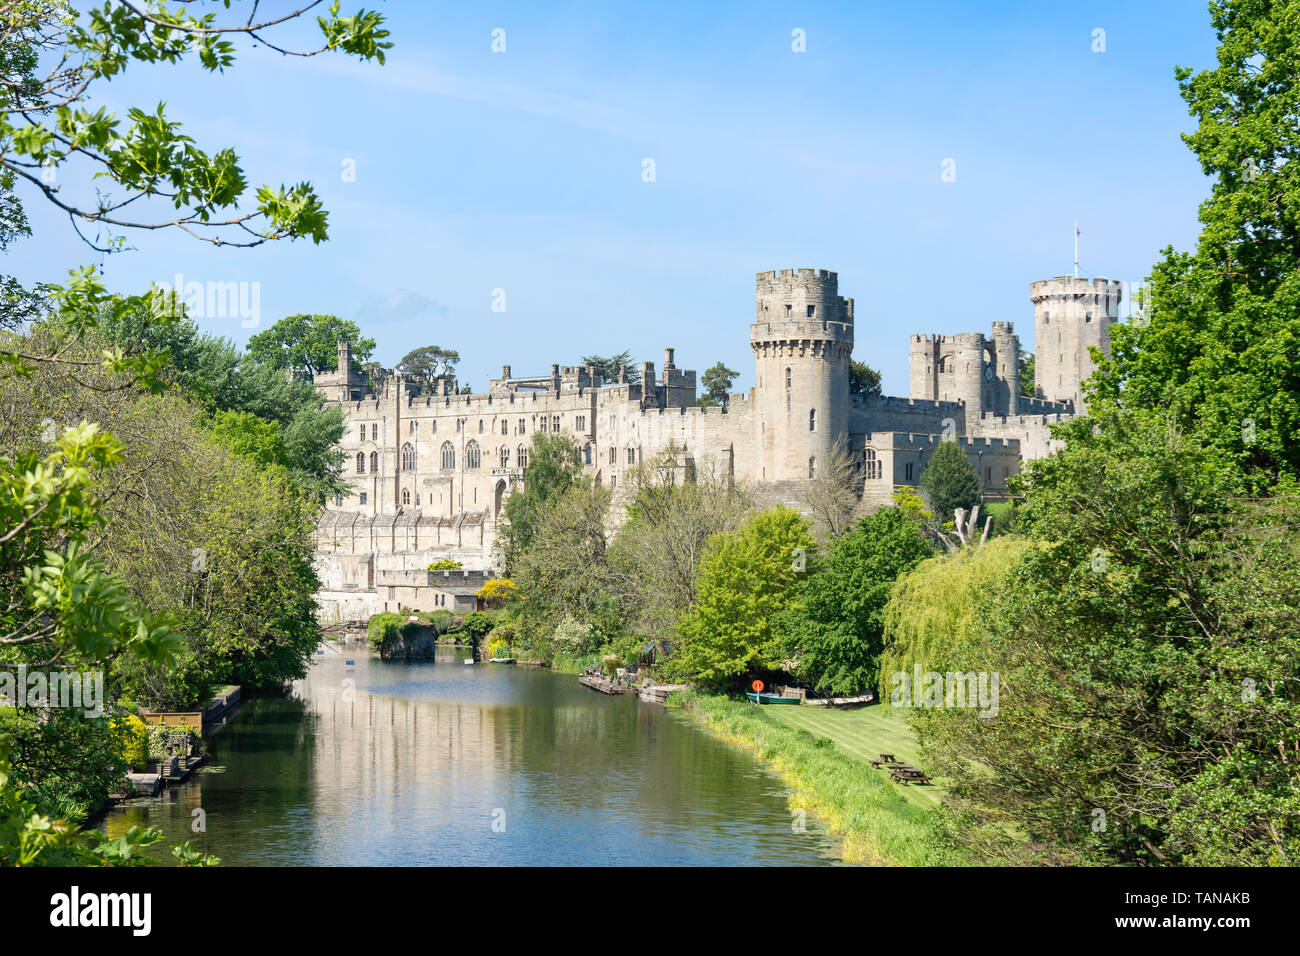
(1006, 373)
(802, 337)
(969, 379)
(1070, 315)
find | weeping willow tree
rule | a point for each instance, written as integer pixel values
(931, 606)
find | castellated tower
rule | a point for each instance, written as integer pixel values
(1006, 369)
(1070, 315)
(802, 337)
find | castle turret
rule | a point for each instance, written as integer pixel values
(802, 337)
(971, 379)
(1006, 369)
(1070, 315)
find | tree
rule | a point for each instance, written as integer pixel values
(717, 385)
(427, 364)
(836, 631)
(1216, 343)
(746, 578)
(563, 572)
(232, 387)
(495, 592)
(309, 342)
(554, 465)
(655, 557)
(1027, 375)
(1148, 659)
(949, 482)
(167, 180)
(933, 606)
(834, 491)
(863, 379)
(607, 369)
(60, 606)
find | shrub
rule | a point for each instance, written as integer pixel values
(383, 629)
(497, 591)
(445, 564)
(134, 736)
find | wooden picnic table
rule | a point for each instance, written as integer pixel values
(910, 775)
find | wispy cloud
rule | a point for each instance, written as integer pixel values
(400, 305)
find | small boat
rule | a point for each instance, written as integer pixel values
(770, 698)
(501, 660)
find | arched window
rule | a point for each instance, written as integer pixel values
(408, 457)
(434, 429)
(505, 456)
(480, 426)
(586, 453)
(374, 432)
(522, 454)
(374, 462)
(448, 456)
(812, 467)
(812, 419)
(505, 427)
(873, 466)
(787, 376)
(361, 463)
(472, 456)
(406, 496)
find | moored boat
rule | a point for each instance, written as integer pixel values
(770, 698)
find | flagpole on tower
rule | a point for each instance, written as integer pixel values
(1076, 248)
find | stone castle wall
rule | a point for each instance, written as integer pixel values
(430, 473)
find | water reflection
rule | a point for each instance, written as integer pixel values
(409, 764)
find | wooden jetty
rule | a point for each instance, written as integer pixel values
(604, 685)
(658, 693)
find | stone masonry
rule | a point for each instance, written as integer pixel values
(430, 472)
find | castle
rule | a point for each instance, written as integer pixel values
(430, 471)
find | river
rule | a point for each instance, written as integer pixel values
(375, 763)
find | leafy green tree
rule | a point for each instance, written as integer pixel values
(246, 434)
(1027, 375)
(554, 465)
(564, 571)
(863, 379)
(212, 372)
(1216, 343)
(935, 604)
(427, 364)
(746, 578)
(836, 630)
(607, 369)
(60, 605)
(46, 123)
(717, 385)
(310, 342)
(1147, 652)
(949, 482)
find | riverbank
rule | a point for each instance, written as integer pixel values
(871, 818)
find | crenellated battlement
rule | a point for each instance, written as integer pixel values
(905, 440)
(1069, 286)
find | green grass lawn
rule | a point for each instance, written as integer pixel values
(863, 734)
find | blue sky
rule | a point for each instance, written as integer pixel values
(522, 171)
